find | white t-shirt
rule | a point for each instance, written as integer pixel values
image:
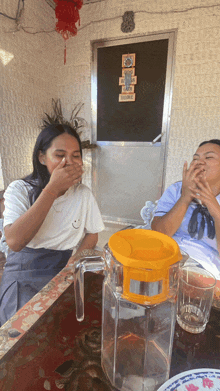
(71, 216)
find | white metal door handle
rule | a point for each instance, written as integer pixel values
(158, 137)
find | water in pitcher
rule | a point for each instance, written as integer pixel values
(138, 359)
(131, 377)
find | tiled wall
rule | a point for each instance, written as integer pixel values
(37, 72)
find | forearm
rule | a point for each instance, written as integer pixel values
(217, 228)
(171, 221)
(89, 242)
(22, 231)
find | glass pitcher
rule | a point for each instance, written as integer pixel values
(139, 298)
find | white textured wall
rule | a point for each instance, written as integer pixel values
(27, 82)
(37, 73)
(2, 185)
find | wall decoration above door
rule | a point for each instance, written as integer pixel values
(128, 24)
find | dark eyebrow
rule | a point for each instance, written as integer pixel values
(63, 150)
(196, 154)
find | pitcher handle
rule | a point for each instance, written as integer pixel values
(85, 264)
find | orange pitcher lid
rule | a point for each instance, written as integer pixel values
(146, 257)
(144, 249)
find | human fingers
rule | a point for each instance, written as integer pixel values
(195, 165)
(196, 172)
(74, 173)
(203, 192)
(189, 174)
(184, 169)
(74, 170)
(206, 183)
(76, 161)
(202, 184)
(200, 193)
(61, 164)
(74, 166)
(206, 199)
(201, 188)
(66, 175)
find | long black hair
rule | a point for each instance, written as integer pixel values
(213, 141)
(40, 176)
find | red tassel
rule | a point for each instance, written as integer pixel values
(65, 54)
(67, 14)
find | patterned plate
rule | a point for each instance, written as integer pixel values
(195, 380)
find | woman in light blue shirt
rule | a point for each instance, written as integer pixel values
(189, 210)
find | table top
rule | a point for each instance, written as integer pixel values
(44, 347)
(56, 350)
(192, 351)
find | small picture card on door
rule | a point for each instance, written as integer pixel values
(126, 71)
(127, 97)
(128, 60)
(122, 80)
(129, 89)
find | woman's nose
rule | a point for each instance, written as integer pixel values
(68, 160)
(200, 162)
(72, 159)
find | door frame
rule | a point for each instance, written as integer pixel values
(162, 142)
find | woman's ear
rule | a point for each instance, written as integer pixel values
(41, 158)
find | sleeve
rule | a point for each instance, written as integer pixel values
(16, 202)
(94, 222)
(168, 199)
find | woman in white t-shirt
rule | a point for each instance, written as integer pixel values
(48, 216)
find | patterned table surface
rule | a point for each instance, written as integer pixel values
(43, 346)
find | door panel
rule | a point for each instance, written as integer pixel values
(124, 179)
(140, 120)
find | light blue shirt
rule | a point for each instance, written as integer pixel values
(204, 250)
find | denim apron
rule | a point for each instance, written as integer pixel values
(25, 273)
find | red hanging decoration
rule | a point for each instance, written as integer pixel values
(67, 14)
